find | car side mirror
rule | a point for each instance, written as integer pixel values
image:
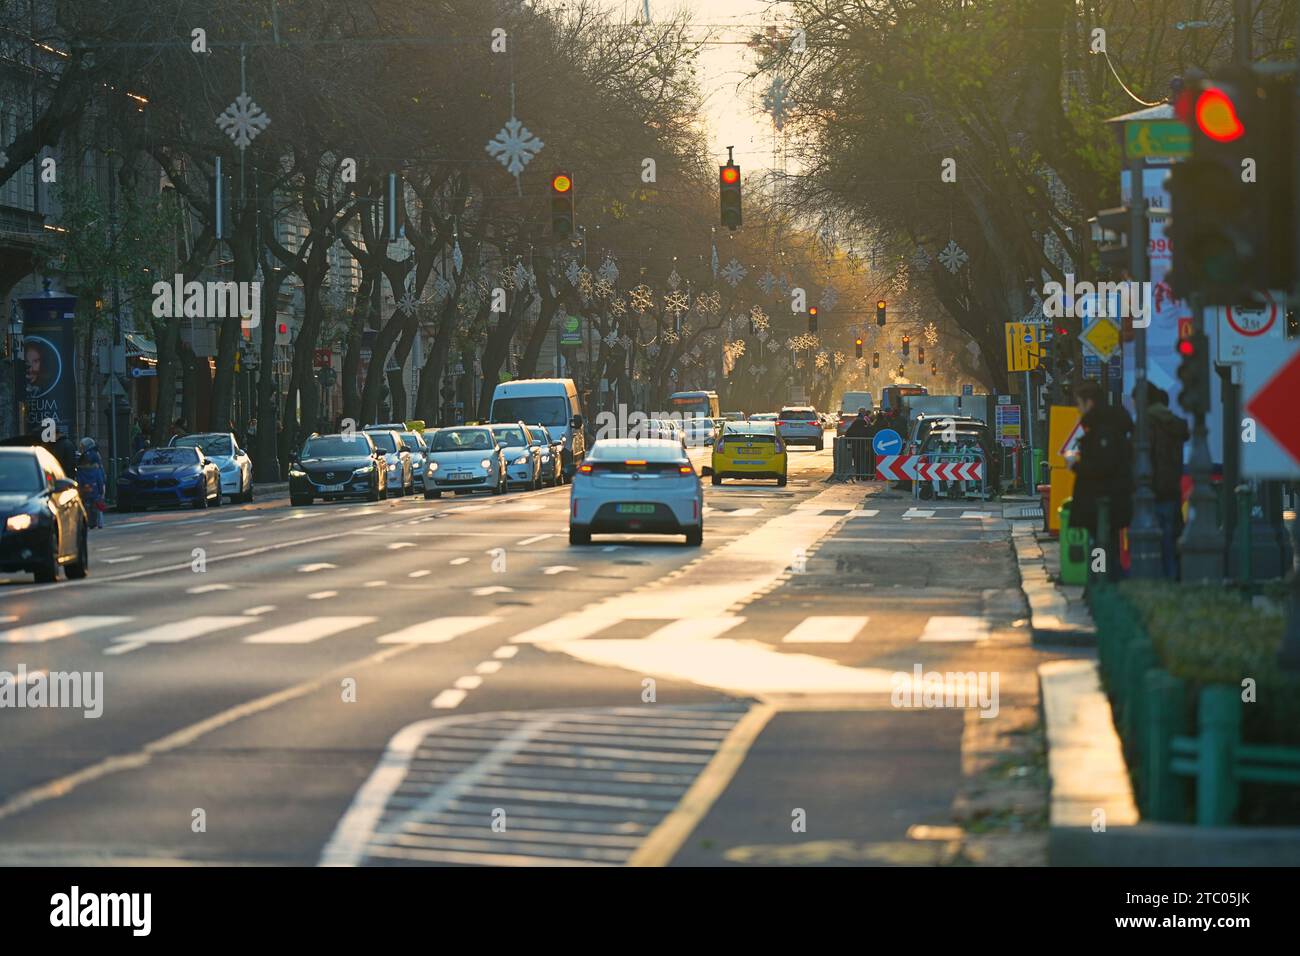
(706, 471)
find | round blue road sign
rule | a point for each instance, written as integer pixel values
(887, 442)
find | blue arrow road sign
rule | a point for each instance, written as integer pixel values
(887, 442)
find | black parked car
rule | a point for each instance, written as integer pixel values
(169, 476)
(42, 520)
(338, 466)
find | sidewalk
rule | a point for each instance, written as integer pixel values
(1058, 613)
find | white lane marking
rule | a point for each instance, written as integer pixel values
(128, 557)
(173, 633)
(957, 628)
(318, 566)
(571, 627)
(695, 629)
(447, 700)
(375, 584)
(321, 595)
(827, 629)
(62, 786)
(50, 630)
(918, 513)
(437, 631)
(977, 514)
(260, 609)
(206, 588)
(202, 534)
(226, 540)
(490, 590)
(533, 540)
(505, 653)
(558, 569)
(468, 682)
(419, 574)
(488, 667)
(398, 545)
(459, 561)
(612, 547)
(308, 630)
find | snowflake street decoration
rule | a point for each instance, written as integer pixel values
(784, 285)
(603, 288)
(708, 341)
(521, 277)
(652, 349)
(755, 371)
(767, 283)
(695, 351)
(441, 287)
(674, 280)
(243, 120)
(713, 260)
(625, 341)
(931, 334)
(899, 282)
(573, 272)
(676, 303)
(642, 298)
(921, 259)
(585, 284)
(762, 335)
(610, 339)
(733, 272)
(670, 336)
(709, 303)
(514, 147)
(953, 257)
(618, 305)
(735, 349)
(829, 298)
(823, 360)
(407, 303)
(608, 270)
(862, 362)
(776, 101)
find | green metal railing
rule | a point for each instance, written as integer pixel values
(1167, 744)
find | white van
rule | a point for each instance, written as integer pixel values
(552, 402)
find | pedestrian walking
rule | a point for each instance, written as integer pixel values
(91, 482)
(859, 435)
(1168, 434)
(65, 451)
(1103, 468)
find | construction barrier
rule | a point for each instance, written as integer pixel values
(852, 459)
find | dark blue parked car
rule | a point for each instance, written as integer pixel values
(169, 476)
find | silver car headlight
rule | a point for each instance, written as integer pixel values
(433, 466)
(360, 472)
(485, 463)
(546, 458)
(521, 460)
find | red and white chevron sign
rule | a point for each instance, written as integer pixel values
(951, 471)
(896, 467)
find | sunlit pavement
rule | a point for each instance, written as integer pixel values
(449, 682)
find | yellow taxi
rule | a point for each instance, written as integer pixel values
(751, 449)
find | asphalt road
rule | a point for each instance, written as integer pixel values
(449, 682)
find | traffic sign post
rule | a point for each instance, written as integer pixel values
(887, 442)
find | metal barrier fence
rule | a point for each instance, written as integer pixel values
(955, 488)
(852, 459)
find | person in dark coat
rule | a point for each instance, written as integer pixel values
(1103, 468)
(91, 482)
(859, 448)
(66, 452)
(1167, 433)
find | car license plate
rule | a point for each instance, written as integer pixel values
(331, 487)
(635, 509)
(459, 475)
(749, 450)
(749, 462)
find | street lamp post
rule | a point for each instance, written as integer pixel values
(1145, 533)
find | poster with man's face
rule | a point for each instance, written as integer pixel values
(48, 386)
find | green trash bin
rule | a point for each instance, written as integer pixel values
(1074, 548)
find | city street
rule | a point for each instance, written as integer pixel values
(450, 682)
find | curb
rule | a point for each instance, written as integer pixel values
(1054, 618)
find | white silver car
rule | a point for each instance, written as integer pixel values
(800, 425)
(232, 462)
(699, 431)
(636, 486)
(464, 459)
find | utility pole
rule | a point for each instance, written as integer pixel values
(1145, 533)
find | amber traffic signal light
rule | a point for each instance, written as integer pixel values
(812, 318)
(880, 313)
(561, 205)
(857, 346)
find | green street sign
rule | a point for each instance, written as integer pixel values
(571, 331)
(1157, 139)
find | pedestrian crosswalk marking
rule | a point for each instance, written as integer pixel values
(438, 630)
(695, 629)
(918, 513)
(825, 629)
(50, 630)
(958, 628)
(307, 631)
(174, 632)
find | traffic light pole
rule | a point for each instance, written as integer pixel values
(1144, 536)
(1202, 548)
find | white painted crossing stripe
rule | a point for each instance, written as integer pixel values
(826, 629)
(978, 514)
(456, 561)
(437, 631)
(571, 627)
(468, 682)
(695, 629)
(322, 595)
(398, 545)
(558, 569)
(533, 540)
(50, 630)
(419, 574)
(491, 589)
(488, 667)
(173, 633)
(375, 584)
(864, 512)
(260, 609)
(918, 513)
(208, 588)
(449, 699)
(956, 628)
(318, 566)
(308, 630)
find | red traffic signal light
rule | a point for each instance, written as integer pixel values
(907, 344)
(729, 194)
(1216, 116)
(730, 174)
(1186, 348)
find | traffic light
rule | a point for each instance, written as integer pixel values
(934, 368)
(920, 354)
(394, 225)
(282, 335)
(812, 318)
(907, 345)
(729, 194)
(1233, 200)
(1194, 373)
(875, 360)
(561, 205)
(857, 346)
(880, 313)
(1110, 238)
